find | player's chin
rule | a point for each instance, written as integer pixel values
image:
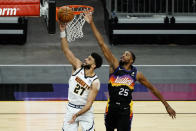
(121, 61)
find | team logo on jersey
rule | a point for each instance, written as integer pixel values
(82, 83)
(124, 80)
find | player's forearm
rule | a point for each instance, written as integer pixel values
(65, 47)
(84, 109)
(159, 96)
(97, 34)
(68, 53)
(64, 44)
(155, 91)
(106, 51)
(100, 40)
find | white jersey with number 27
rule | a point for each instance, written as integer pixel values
(79, 87)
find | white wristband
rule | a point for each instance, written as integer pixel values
(62, 34)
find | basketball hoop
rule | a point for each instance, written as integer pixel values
(74, 27)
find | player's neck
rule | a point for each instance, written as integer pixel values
(89, 72)
(127, 67)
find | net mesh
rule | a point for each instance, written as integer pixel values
(74, 27)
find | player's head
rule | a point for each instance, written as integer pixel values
(93, 61)
(128, 57)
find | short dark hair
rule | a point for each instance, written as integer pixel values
(98, 59)
(133, 56)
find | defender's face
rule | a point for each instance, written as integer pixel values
(126, 57)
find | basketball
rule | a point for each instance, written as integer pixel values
(65, 14)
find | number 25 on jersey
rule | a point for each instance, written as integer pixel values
(123, 92)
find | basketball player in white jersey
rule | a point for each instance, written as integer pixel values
(83, 88)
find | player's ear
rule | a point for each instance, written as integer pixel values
(131, 61)
(94, 66)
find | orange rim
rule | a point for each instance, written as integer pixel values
(90, 8)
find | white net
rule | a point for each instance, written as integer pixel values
(74, 27)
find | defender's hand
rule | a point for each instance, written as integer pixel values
(88, 16)
(171, 112)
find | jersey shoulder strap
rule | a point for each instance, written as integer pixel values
(115, 70)
(77, 71)
(95, 78)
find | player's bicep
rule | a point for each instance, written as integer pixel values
(93, 91)
(142, 79)
(96, 84)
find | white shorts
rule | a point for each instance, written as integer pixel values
(85, 120)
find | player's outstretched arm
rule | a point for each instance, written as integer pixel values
(146, 83)
(112, 60)
(91, 97)
(76, 63)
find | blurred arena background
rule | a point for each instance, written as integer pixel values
(34, 72)
(20, 83)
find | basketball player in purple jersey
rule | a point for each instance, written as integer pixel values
(122, 78)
